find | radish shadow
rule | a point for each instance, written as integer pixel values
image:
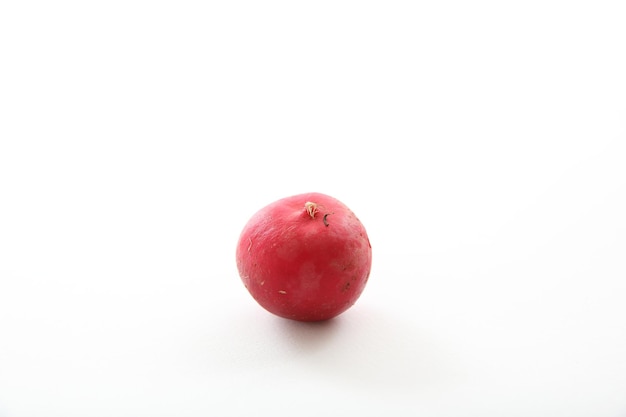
(366, 349)
(370, 349)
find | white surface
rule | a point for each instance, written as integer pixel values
(482, 144)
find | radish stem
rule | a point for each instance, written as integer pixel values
(310, 208)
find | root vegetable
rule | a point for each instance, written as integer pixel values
(306, 257)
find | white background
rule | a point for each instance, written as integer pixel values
(482, 144)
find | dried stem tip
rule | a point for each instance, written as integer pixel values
(310, 208)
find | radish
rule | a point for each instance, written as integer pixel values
(306, 257)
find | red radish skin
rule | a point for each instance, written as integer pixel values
(306, 257)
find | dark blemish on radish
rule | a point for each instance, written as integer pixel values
(325, 221)
(345, 287)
